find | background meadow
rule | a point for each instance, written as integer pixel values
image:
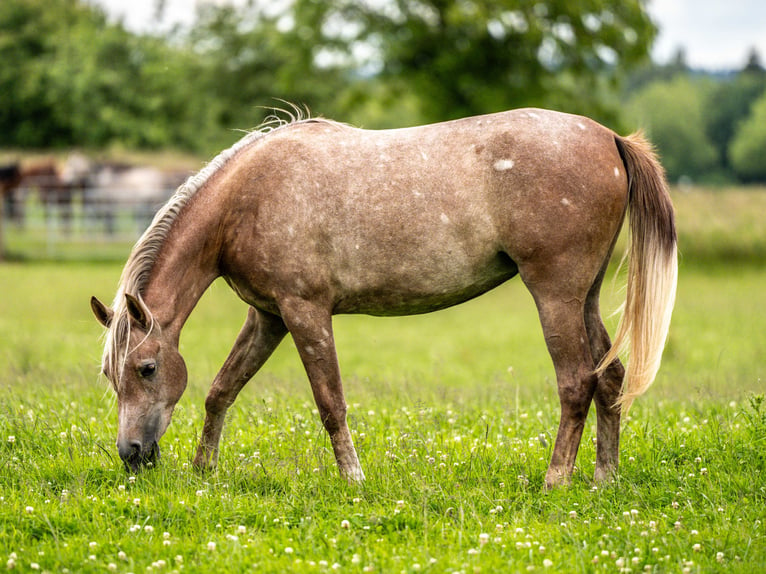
(453, 415)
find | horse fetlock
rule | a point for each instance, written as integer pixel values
(605, 473)
(206, 457)
(556, 477)
(353, 475)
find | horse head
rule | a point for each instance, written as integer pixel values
(147, 373)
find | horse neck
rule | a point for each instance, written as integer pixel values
(186, 265)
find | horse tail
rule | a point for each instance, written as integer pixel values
(652, 270)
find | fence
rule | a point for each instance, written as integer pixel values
(90, 225)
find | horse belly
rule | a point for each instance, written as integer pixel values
(415, 284)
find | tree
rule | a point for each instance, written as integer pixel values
(474, 56)
(673, 114)
(748, 147)
(71, 78)
(730, 104)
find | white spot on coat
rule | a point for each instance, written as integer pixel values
(581, 126)
(565, 202)
(444, 218)
(503, 164)
(617, 172)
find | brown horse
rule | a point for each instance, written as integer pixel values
(313, 218)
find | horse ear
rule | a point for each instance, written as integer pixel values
(103, 313)
(138, 312)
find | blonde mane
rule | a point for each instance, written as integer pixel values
(137, 270)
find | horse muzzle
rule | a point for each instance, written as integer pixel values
(135, 455)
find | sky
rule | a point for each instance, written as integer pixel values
(715, 34)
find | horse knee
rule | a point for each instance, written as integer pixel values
(216, 401)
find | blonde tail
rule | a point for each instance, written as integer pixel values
(652, 270)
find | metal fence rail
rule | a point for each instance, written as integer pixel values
(85, 228)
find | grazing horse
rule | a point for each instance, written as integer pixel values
(312, 218)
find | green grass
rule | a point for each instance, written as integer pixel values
(453, 415)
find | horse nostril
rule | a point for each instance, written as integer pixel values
(130, 451)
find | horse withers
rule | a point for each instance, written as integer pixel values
(310, 218)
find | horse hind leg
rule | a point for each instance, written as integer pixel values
(310, 325)
(260, 335)
(566, 338)
(607, 392)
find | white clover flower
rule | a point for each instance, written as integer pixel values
(121, 555)
(241, 529)
(483, 538)
(719, 556)
(289, 550)
(697, 547)
(547, 563)
(11, 439)
(29, 509)
(345, 524)
(211, 546)
(149, 529)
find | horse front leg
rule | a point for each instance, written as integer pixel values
(311, 328)
(260, 335)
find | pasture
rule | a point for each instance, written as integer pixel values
(453, 415)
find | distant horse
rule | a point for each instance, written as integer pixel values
(315, 218)
(55, 194)
(115, 186)
(10, 178)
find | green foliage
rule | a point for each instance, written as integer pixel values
(728, 106)
(748, 147)
(673, 114)
(70, 78)
(464, 58)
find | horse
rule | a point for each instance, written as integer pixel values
(308, 218)
(10, 178)
(116, 186)
(56, 195)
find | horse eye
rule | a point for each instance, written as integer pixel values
(147, 369)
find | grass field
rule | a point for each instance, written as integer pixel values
(453, 415)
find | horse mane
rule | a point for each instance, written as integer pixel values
(135, 275)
